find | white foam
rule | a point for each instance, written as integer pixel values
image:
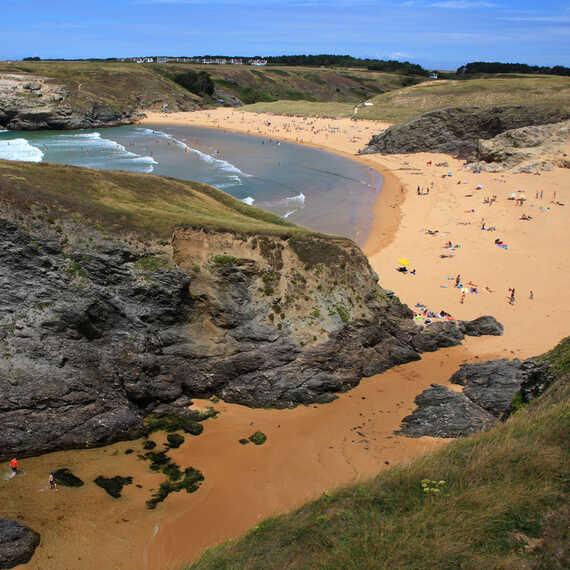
(94, 141)
(20, 149)
(298, 198)
(249, 200)
(289, 213)
(218, 162)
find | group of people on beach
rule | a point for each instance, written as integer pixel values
(15, 467)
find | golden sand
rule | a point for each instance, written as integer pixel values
(315, 448)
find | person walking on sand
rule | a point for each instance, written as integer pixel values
(462, 297)
(51, 481)
(457, 280)
(531, 295)
(15, 466)
(512, 297)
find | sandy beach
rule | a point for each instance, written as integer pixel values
(312, 449)
(536, 259)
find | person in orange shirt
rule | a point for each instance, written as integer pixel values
(15, 466)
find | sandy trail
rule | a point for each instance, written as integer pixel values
(317, 448)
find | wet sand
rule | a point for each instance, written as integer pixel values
(310, 449)
(317, 448)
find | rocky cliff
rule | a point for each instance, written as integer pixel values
(456, 131)
(539, 147)
(100, 326)
(491, 390)
(30, 101)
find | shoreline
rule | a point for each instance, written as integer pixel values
(352, 438)
(451, 208)
(385, 224)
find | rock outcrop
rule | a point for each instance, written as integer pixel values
(98, 331)
(444, 413)
(457, 130)
(488, 394)
(35, 102)
(17, 543)
(541, 147)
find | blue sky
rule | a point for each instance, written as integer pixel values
(438, 34)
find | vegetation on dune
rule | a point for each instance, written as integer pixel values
(494, 500)
(145, 204)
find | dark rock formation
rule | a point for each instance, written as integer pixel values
(443, 413)
(17, 543)
(489, 389)
(97, 333)
(486, 325)
(457, 130)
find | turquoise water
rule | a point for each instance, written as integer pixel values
(308, 186)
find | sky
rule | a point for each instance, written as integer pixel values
(437, 34)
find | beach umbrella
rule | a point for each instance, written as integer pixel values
(479, 187)
(404, 261)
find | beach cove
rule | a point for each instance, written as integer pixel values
(304, 456)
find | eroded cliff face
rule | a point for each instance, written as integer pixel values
(97, 330)
(30, 102)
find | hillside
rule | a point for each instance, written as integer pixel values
(83, 94)
(127, 294)
(272, 83)
(497, 499)
(400, 105)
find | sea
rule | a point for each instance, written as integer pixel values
(306, 185)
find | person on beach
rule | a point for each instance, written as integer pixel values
(15, 466)
(51, 481)
(531, 295)
(457, 280)
(512, 297)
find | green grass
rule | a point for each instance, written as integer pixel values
(503, 491)
(333, 110)
(148, 205)
(401, 105)
(398, 105)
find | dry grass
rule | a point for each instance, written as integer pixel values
(503, 505)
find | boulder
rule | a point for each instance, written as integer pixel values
(486, 325)
(17, 543)
(443, 413)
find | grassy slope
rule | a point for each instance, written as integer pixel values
(120, 86)
(400, 105)
(505, 490)
(252, 84)
(142, 203)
